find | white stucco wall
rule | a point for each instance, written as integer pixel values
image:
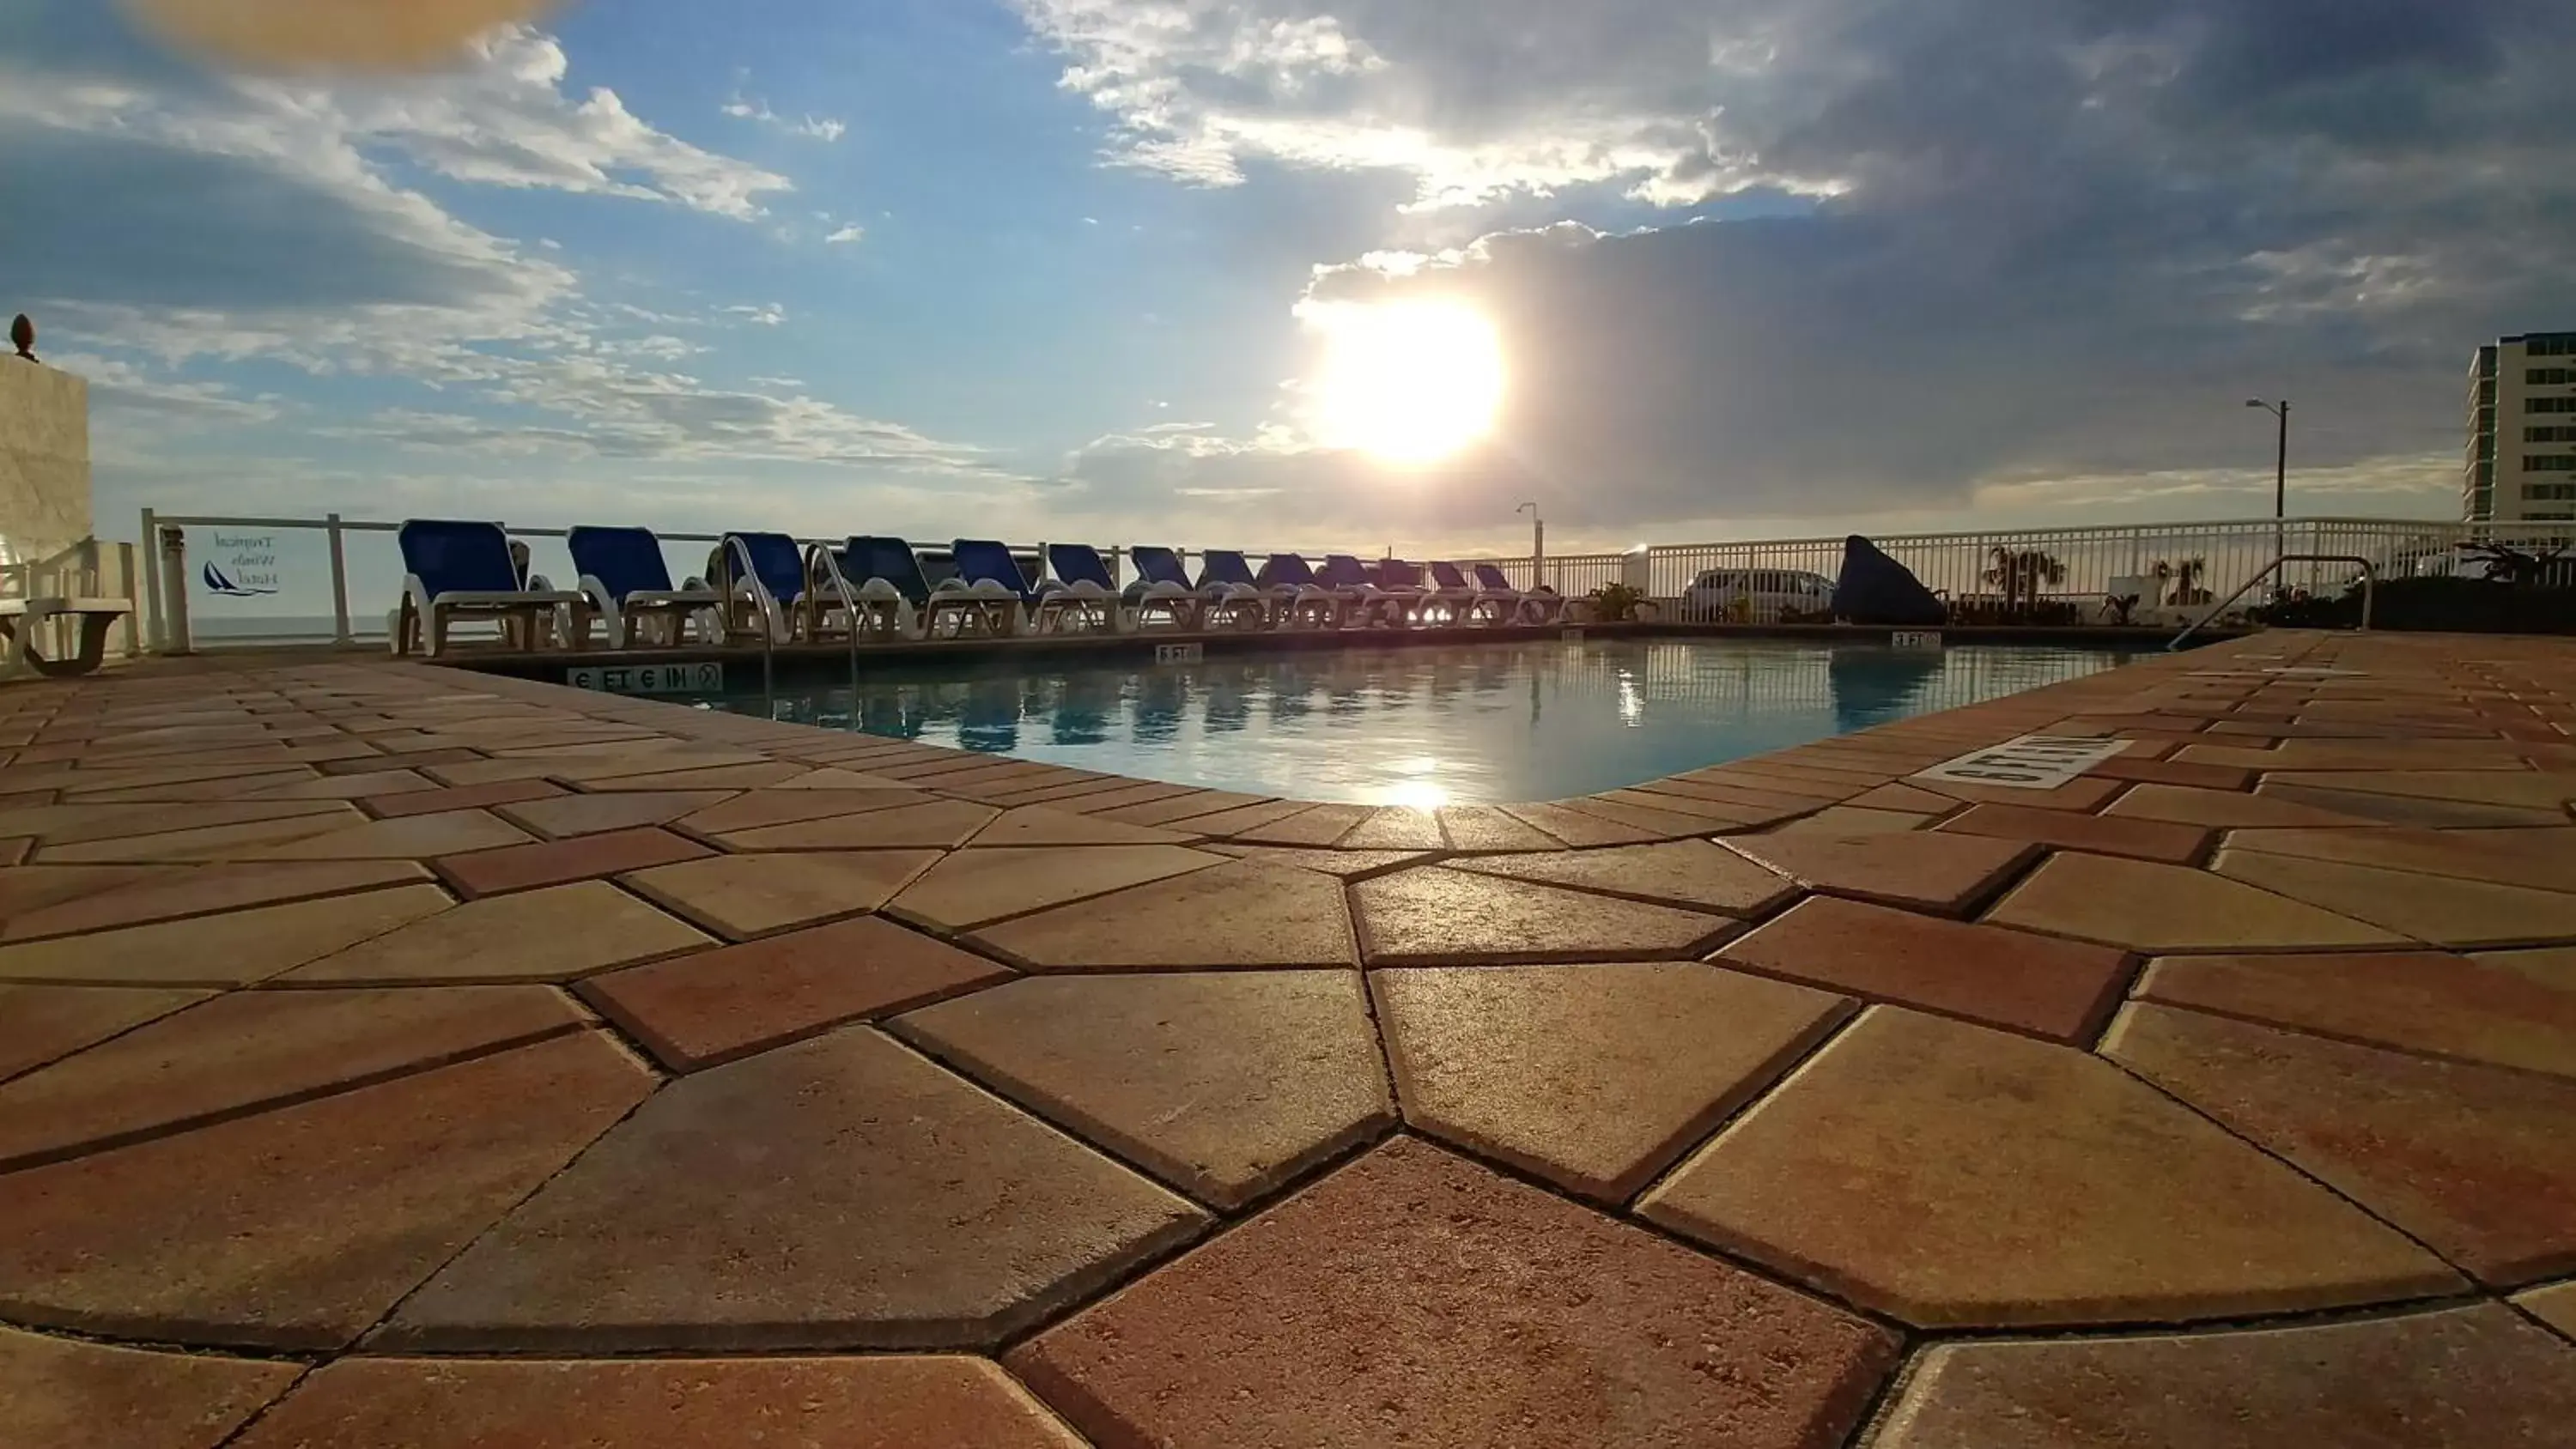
(44, 460)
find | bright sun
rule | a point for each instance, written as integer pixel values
(1411, 382)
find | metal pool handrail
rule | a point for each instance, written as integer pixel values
(821, 553)
(2368, 584)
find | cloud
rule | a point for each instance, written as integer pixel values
(176, 214)
(2041, 242)
(846, 232)
(1679, 101)
(119, 387)
(818, 128)
(165, 225)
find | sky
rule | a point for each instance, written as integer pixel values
(1087, 268)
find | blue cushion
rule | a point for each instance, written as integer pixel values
(1288, 569)
(1079, 563)
(1341, 571)
(890, 559)
(985, 560)
(624, 560)
(452, 556)
(775, 557)
(1156, 564)
(1225, 566)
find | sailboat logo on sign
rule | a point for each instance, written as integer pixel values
(248, 569)
(218, 583)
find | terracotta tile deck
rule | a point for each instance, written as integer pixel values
(457, 1035)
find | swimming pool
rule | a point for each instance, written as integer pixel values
(1474, 724)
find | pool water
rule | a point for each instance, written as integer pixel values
(1474, 724)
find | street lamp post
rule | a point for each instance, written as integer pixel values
(2280, 480)
(1538, 543)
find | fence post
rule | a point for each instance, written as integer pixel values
(340, 636)
(152, 584)
(172, 545)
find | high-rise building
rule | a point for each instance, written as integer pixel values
(2521, 464)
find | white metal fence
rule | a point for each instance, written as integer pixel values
(212, 582)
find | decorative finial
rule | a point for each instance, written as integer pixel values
(22, 335)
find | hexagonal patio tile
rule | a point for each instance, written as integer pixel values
(2102, 834)
(727, 1213)
(2151, 907)
(1484, 827)
(209, 842)
(1225, 1086)
(2539, 859)
(2512, 1008)
(198, 890)
(1415, 1298)
(1688, 873)
(2038, 984)
(743, 896)
(2225, 809)
(76, 824)
(1593, 1077)
(555, 862)
(1348, 864)
(1436, 916)
(297, 1228)
(1955, 1176)
(937, 825)
(1037, 825)
(546, 935)
(790, 1403)
(2475, 1161)
(794, 804)
(2523, 789)
(27, 889)
(232, 949)
(560, 817)
(41, 1023)
(61, 1391)
(405, 837)
(259, 1047)
(1927, 871)
(971, 887)
(1241, 913)
(709, 1007)
(2442, 909)
(2476, 1375)
(2408, 809)
(2554, 1305)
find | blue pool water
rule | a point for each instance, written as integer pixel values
(1474, 724)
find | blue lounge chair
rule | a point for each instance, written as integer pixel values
(1402, 579)
(453, 567)
(1297, 597)
(990, 577)
(884, 575)
(1081, 588)
(628, 582)
(1236, 601)
(765, 586)
(1361, 598)
(1475, 604)
(1539, 605)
